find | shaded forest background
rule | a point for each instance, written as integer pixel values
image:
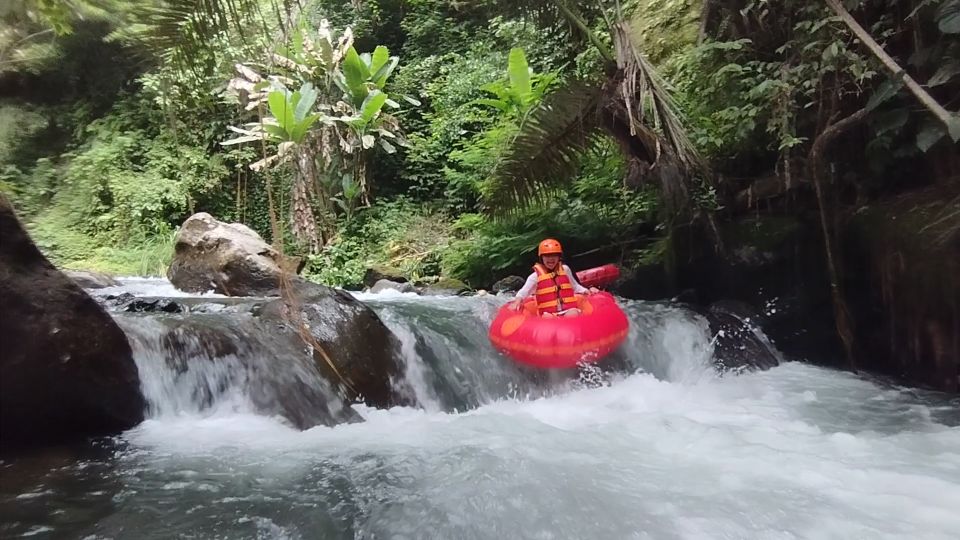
(767, 154)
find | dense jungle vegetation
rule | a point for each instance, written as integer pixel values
(446, 138)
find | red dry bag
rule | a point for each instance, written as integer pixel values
(599, 276)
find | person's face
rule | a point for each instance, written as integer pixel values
(551, 261)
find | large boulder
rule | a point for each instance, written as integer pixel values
(91, 280)
(66, 371)
(228, 258)
(378, 272)
(196, 363)
(306, 357)
(350, 345)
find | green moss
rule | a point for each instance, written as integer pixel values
(398, 236)
(449, 283)
(666, 27)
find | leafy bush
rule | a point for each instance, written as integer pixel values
(396, 234)
(68, 247)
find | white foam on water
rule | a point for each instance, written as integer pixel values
(385, 294)
(674, 451)
(152, 287)
(751, 456)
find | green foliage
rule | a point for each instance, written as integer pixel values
(522, 91)
(124, 183)
(596, 210)
(448, 117)
(107, 158)
(55, 234)
(397, 234)
(326, 131)
(20, 125)
(744, 101)
(757, 97)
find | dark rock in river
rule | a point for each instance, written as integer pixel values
(508, 284)
(387, 285)
(739, 344)
(228, 258)
(164, 305)
(205, 357)
(307, 369)
(347, 334)
(133, 304)
(66, 371)
(377, 273)
(775, 266)
(445, 287)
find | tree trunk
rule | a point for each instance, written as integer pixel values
(302, 220)
(706, 13)
(951, 122)
(841, 313)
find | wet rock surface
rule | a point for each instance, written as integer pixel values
(66, 371)
(227, 258)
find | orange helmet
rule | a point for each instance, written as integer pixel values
(549, 247)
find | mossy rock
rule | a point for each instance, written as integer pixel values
(378, 272)
(446, 286)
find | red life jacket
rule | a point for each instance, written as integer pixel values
(554, 290)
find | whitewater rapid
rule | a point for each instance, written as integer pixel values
(795, 452)
(666, 450)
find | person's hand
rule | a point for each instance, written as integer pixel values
(516, 304)
(593, 290)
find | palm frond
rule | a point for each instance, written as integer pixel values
(546, 152)
(647, 100)
(183, 28)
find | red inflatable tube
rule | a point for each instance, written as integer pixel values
(599, 276)
(560, 342)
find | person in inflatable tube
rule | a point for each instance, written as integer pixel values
(553, 283)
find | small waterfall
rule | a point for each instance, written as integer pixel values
(204, 364)
(227, 360)
(670, 342)
(451, 363)
(182, 373)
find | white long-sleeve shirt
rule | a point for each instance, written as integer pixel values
(531, 285)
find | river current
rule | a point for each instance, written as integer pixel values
(664, 447)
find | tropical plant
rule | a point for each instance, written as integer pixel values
(327, 129)
(522, 91)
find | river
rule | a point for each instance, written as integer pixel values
(663, 448)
